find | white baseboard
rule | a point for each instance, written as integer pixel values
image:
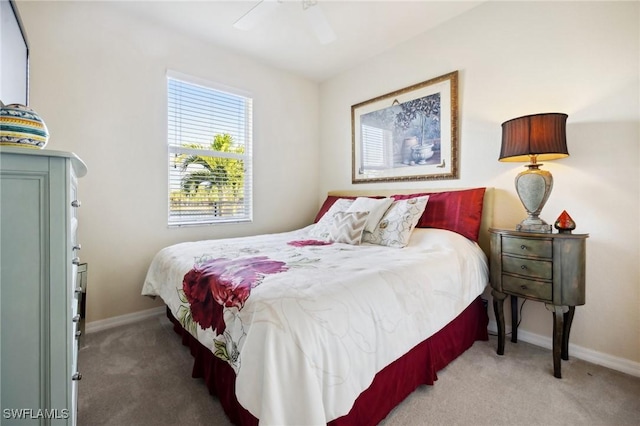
(104, 324)
(589, 355)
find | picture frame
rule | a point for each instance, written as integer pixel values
(407, 135)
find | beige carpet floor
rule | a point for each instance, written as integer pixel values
(140, 374)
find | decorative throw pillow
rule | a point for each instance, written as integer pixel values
(323, 226)
(395, 227)
(328, 202)
(376, 208)
(347, 227)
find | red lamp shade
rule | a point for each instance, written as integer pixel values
(540, 135)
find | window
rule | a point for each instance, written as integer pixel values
(376, 148)
(210, 168)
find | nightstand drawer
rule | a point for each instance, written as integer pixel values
(527, 288)
(540, 269)
(527, 247)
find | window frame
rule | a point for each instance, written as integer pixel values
(173, 149)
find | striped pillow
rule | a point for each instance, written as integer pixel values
(347, 227)
(322, 228)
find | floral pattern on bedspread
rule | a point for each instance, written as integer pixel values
(221, 283)
(303, 243)
(216, 289)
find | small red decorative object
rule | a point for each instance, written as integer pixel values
(564, 223)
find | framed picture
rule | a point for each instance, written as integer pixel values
(409, 134)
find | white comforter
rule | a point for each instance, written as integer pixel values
(310, 339)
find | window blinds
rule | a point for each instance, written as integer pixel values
(210, 167)
(376, 148)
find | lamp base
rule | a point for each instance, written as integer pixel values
(533, 187)
(540, 228)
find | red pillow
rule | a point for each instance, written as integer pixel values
(457, 211)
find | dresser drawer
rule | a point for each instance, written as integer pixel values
(527, 288)
(527, 247)
(529, 268)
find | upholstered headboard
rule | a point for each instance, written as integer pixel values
(487, 203)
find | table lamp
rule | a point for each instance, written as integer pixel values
(533, 138)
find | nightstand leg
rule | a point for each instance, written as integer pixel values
(514, 319)
(559, 313)
(498, 310)
(568, 319)
(558, 319)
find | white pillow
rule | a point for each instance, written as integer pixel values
(395, 227)
(347, 227)
(322, 228)
(375, 207)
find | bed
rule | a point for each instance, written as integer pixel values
(337, 322)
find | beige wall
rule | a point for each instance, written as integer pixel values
(98, 79)
(518, 58)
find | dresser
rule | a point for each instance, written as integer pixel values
(39, 295)
(548, 268)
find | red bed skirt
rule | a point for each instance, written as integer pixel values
(389, 387)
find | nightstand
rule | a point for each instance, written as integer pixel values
(548, 268)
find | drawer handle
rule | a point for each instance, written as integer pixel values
(78, 333)
(524, 287)
(77, 247)
(76, 318)
(76, 203)
(523, 267)
(76, 261)
(78, 290)
(523, 247)
(76, 376)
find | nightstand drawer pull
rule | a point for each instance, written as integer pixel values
(78, 334)
(523, 266)
(523, 247)
(76, 318)
(76, 376)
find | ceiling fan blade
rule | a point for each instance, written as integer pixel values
(319, 24)
(257, 14)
